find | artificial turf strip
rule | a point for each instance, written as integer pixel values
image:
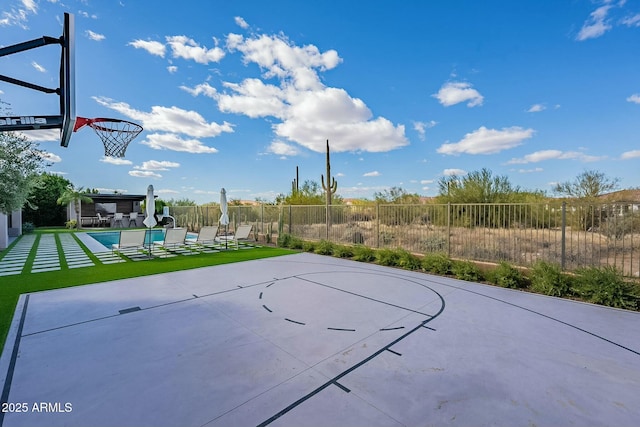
(12, 286)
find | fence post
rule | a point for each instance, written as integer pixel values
(449, 229)
(290, 220)
(563, 240)
(377, 225)
(262, 217)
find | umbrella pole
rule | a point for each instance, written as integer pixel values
(226, 236)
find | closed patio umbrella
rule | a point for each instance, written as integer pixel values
(224, 218)
(150, 211)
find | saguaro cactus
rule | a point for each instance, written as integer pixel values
(295, 184)
(329, 188)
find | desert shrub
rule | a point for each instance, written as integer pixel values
(408, 260)
(363, 253)
(284, 240)
(466, 270)
(324, 247)
(506, 275)
(342, 251)
(388, 257)
(438, 263)
(547, 278)
(309, 246)
(606, 286)
(296, 243)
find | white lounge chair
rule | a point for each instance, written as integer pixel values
(241, 235)
(206, 237)
(174, 239)
(129, 239)
(102, 220)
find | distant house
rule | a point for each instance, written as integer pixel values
(107, 205)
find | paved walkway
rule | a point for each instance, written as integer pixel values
(306, 340)
(54, 252)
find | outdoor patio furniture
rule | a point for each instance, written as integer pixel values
(206, 237)
(102, 221)
(133, 219)
(174, 238)
(118, 218)
(129, 239)
(241, 235)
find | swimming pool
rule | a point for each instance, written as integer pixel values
(108, 238)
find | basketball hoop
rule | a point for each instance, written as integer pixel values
(115, 134)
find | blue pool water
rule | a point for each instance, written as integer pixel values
(108, 238)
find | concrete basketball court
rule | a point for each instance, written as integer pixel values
(307, 340)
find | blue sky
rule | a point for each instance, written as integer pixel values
(236, 94)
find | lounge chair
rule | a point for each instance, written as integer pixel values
(241, 235)
(102, 220)
(174, 240)
(129, 239)
(206, 237)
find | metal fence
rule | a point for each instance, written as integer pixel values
(573, 235)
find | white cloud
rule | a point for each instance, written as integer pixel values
(630, 154)
(169, 119)
(426, 181)
(50, 157)
(144, 174)
(543, 155)
(186, 48)
(30, 5)
(632, 21)
(172, 69)
(18, 15)
(456, 92)
(530, 170)
(635, 98)
(166, 191)
(170, 141)
(283, 149)
(116, 161)
(203, 88)
(42, 134)
(421, 128)
(38, 67)
(454, 172)
(155, 165)
(241, 22)
(596, 25)
(487, 141)
(536, 108)
(373, 173)
(153, 47)
(95, 36)
(308, 113)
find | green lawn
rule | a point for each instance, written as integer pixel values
(12, 286)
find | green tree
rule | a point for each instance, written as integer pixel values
(71, 195)
(396, 196)
(180, 202)
(587, 186)
(476, 187)
(21, 161)
(310, 193)
(44, 200)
